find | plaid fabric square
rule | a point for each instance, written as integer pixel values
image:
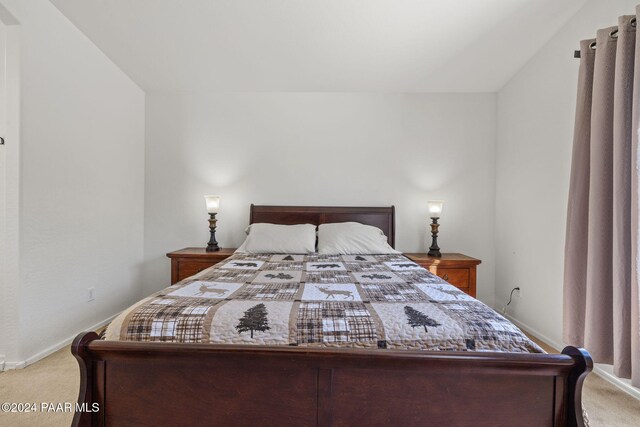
(322, 258)
(384, 292)
(391, 258)
(163, 301)
(357, 267)
(419, 276)
(361, 328)
(481, 323)
(160, 320)
(335, 330)
(329, 322)
(283, 266)
(161, 328)
(195, 310)
(231, 276)
(250, 257)
(328, 277)
(309, 323)
(274, 292)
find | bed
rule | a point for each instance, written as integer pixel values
(322, 340)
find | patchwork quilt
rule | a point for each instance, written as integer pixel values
(363, 301)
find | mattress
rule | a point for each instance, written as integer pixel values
(351, 301)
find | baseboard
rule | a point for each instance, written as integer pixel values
(603, 371)
(606, 373)
(8, 365)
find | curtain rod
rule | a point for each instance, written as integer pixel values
(592, 46)
(614, 34)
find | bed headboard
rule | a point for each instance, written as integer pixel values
(381, 217)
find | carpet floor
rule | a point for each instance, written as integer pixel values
(56, 378)
(606, 405)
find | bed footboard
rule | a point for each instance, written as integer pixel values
(137, 383)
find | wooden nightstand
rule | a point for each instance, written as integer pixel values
(457, 269)
(189, 261)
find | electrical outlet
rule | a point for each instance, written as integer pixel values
(90, 294)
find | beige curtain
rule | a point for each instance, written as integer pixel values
(601, 298)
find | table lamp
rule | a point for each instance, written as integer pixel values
(213, 204)
(435, 210)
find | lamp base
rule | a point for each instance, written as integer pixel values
(434, 252)
(434, 249)
(212, 245)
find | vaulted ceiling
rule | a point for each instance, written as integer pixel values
(319, 45)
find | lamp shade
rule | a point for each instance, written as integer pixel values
(435, 208)
(213, 203)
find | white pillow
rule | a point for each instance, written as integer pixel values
(352, 238)
(267, 238)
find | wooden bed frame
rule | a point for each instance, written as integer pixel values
(149, 383)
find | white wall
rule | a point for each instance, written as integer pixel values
(81, 181)
(535, 134)
(4, 318)
(320, 149)
(10, 188)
